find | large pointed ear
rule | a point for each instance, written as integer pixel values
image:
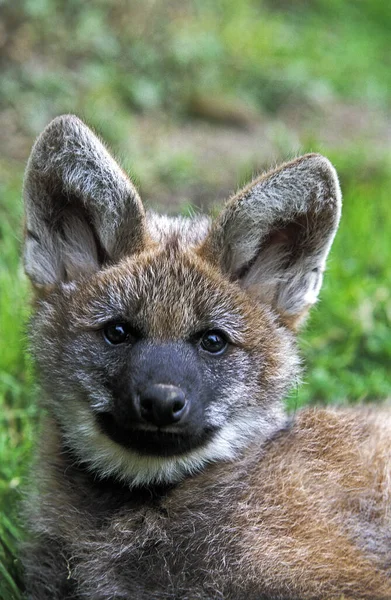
(274, 236)
(81, 210)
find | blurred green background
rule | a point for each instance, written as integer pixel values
(194, 98)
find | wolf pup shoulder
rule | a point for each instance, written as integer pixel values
(167, 467)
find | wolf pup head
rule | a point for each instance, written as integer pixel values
(166, 343)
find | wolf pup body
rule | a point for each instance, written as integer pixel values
(167, 467)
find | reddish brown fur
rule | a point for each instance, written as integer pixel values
(289, 519)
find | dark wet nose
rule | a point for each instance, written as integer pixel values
(162, 404)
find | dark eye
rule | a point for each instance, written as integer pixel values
(116, 333)
(213, 341)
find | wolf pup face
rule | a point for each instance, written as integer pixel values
(165, 343)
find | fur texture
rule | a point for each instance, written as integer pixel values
(231, 499)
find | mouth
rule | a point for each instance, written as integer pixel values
(153, 441)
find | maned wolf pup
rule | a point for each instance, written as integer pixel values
(165, 346)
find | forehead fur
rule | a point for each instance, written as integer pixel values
(169, 293)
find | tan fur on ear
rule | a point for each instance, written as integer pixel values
(275, 234)
(294, 322)
(79, 205)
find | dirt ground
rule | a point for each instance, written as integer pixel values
(214, 152)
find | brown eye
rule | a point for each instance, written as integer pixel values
(116, 333)
(213, 341)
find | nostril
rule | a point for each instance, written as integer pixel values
(178, 406)
(146, 404)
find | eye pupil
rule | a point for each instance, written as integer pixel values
(116, 333)
(213, 342)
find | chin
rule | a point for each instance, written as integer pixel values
(149, 440)
(140, 463)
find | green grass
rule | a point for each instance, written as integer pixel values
(153, 57)
(17, 409)
(347, 343)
